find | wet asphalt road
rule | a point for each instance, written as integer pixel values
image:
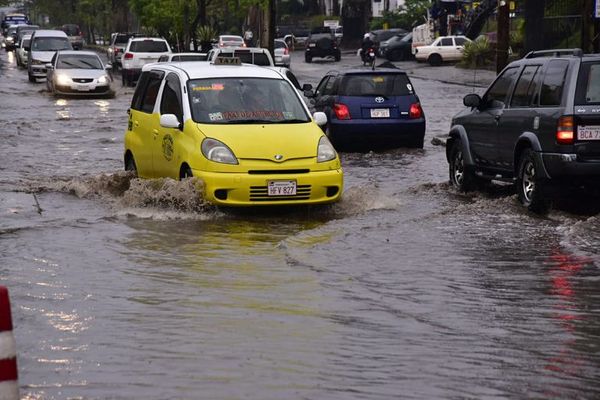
(128, 289)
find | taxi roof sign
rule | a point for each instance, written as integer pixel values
(227, 61)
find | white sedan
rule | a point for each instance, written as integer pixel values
(444, 48)
(78, 73)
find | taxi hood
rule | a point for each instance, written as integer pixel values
(264, 141)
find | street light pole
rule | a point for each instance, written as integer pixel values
(272, 16)
(502, 35)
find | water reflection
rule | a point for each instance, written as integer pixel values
(64, 112)
(103, 106)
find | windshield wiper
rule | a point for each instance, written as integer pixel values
(293, 121)
(251, 121)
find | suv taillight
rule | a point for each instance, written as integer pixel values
(565, 130)
(415, 111)
(286, 51)
(341, 111)
(128, 56)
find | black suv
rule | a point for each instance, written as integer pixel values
(538, 124)
(321, 43)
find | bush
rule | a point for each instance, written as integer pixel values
(478, 53)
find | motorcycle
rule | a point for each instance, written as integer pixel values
(368, 57)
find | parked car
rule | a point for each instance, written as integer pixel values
(282, 53)
(116, 47)
(369, 109)
(242, 129)
(378, 36)
(21, 53)
(139, 52)
(78, 73)
(444, 48)
(321, 43)
(538, 125)
(74, 34)
(231, 41)
(44, 43)
(397, 48)
(178, 57)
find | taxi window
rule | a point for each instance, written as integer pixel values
(170, 102)
(245, 101)
(146, 91)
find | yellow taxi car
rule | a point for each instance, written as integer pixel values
(243, 130)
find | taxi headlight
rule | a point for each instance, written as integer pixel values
(325, 151)
(103, 80)
(62, 80)
(217, 151)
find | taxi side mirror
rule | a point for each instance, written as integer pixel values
(49, 66)
(26, 48)
(320, 118)
(169, 121)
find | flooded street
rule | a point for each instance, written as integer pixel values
(135, 289)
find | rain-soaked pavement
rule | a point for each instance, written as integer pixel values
(126, 289)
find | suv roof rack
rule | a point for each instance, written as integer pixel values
(555, 53)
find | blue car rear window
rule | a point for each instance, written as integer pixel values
(376, 85)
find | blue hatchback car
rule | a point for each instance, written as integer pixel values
(370, 109)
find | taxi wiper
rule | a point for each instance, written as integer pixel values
(293, 121)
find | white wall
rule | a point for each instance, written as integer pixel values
(378, 6)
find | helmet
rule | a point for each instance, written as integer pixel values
(366, 35)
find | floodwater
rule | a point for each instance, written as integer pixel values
(123, 288)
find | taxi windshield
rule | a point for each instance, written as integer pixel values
(245, 101)
(78, 61)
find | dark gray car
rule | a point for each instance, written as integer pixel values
(538, 124)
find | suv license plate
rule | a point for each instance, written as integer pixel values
(282, 188)
(380, 112)
(590, 132)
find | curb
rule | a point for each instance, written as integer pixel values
(9, 387)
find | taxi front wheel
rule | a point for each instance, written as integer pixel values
(130, 165)
(186, 172)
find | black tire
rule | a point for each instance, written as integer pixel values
(417, 143)
(338, 56)
(461, 177)
(395, 55)
(186, 172)
(130, 165)
(123, 80)
(531, 190)
(32, 78)
(308, 58)
(435, 60)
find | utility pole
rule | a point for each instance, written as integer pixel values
(271, 18)
(502, 35)
(588, 25)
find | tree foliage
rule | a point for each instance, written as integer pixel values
(407, 16)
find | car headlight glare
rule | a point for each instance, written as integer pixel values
(103, 80)
(217, 151)
(62, 80)
(325, 151)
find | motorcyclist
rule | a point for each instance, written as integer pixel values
(367, 44)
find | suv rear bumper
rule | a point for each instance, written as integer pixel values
(561, 165)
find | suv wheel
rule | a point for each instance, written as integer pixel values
(308, 58)
(338, 56)
(461, 177)
(435, 60)
(31, 78)
(530, 189)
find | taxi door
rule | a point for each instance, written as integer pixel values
(143, 122)
(165, 159)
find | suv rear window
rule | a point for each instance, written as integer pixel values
(148, 46)
(375, 85)
(121, 39)
(588, 84)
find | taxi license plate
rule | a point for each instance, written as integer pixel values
(380, 112)
(590, 132)
(282, 188)
(82, 88)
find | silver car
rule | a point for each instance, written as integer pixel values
(282, 53)
(78, 73)
(21, 53)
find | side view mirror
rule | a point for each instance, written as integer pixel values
(108, 66)
(26, 48)
(308, 93)
(320, 118)
(49, 66)
(306, 87)
(472, 100)
(169, 121)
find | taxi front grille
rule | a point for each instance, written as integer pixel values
(277, 171)
(82, 80)
(260, 193)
